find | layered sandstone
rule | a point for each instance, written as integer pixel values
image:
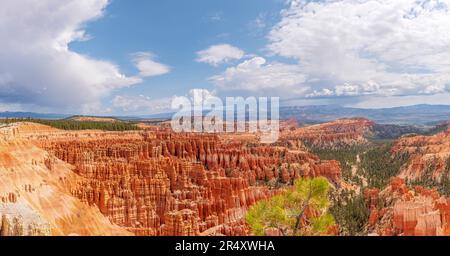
(35, 194)
(428, 156)
(151, 182)
(162, 183)
(332, 135)
(407, 212)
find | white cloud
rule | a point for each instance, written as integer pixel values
(37, 68)
(401, 46)
(351, 48)
(219, 54)
(147, 66)
(257, 76)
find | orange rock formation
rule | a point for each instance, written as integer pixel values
(418, 212)
(147, 182)
(428, 156)
(35, 194)
(332, 135)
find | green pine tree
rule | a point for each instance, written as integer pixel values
(288, 212)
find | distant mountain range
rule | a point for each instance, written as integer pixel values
(423, 115)
(408, 115)
(8, 114)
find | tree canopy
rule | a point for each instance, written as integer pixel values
(66, 124)
(302, 210)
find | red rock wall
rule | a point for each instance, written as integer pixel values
(428, 155)
(418, 212)
(332, 135)
(160, 183)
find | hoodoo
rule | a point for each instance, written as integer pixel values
(158, 182)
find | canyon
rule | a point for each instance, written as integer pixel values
(428, 156)
(341, 133)
(408, 207)
(154, 182)
(415, 210)
(408, 211)
(36, 199)
(147, 182)
(415, 201)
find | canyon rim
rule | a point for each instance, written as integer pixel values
(225, 126)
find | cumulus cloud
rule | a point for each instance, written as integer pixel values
(401, 46)
(147, 66)
(219, 54)
(36, 65)
(257, 76)
(352, 48)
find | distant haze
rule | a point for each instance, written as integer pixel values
(407, 115)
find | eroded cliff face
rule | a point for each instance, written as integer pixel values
(338, 134)
(36, 199)
(162, 183)
(408, 212)
(415, 211)
(144, 182)
(428, 156)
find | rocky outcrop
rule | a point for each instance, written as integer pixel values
(35, 194)
(151, 182)
(162, 183)
(341, 133)
(428, 155)
(407, 212)
(19, 220)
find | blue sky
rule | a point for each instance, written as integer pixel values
(109, 57)
(174, 31)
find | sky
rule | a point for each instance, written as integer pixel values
(121, 57)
